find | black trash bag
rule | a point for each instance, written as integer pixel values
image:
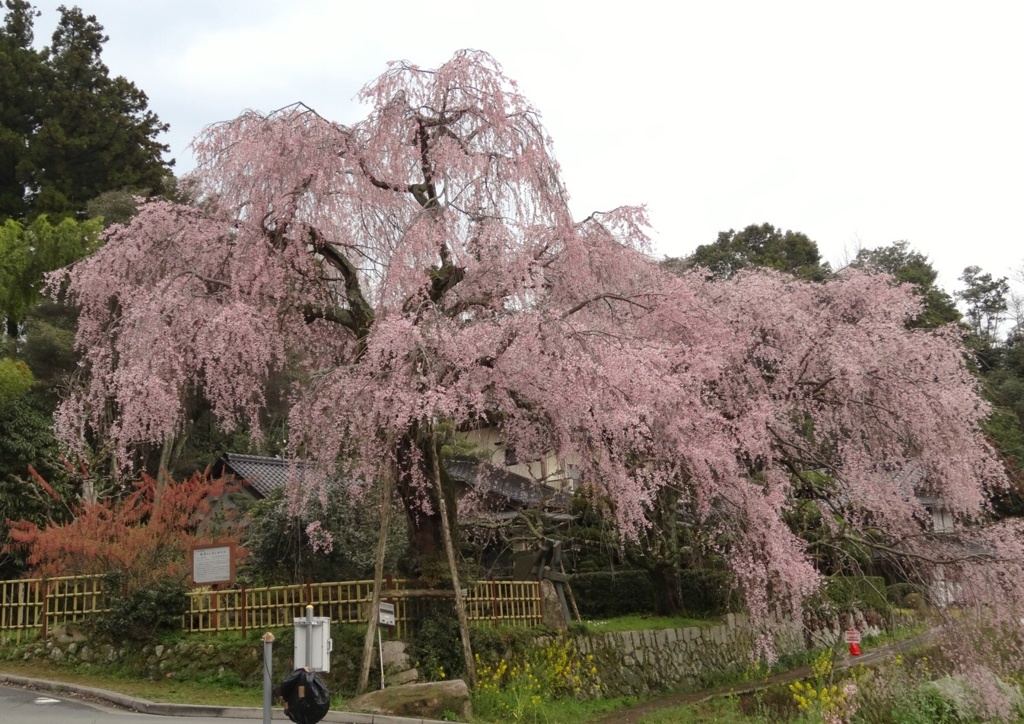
(306, 700)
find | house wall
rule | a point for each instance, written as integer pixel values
(550, 470)
(942, 520)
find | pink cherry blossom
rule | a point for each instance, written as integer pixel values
(423, 265)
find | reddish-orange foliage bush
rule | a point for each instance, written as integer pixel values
(146, 536)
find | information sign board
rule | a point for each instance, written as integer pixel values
(386, 614)
(213, 565)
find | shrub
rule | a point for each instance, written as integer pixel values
(436, 648)
(144, 536)
(863, 593)
(141, 543)
(606, 594)
(493, 644)
(819, 698)
(139, 615)
(515, 688)
(897, 593)
(709, 592)
(927, 705)
(915, 601)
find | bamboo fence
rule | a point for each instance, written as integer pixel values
(43, 605)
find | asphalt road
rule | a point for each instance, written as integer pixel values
(26, 706)
(24, 700)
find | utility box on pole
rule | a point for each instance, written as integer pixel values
(313, 642)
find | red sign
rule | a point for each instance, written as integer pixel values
(852, 636)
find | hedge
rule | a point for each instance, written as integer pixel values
(709, 592)
(606, 594)
(864, 593)
(897, 593)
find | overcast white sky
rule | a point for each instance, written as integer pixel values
(856, 123)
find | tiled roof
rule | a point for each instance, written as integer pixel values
(911, 481)
(264, 474)
(516, 489)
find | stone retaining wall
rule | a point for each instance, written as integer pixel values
(637, 663)
(231, 662)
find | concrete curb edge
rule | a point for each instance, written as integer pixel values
(144, 706)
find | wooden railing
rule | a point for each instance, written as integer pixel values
(42, 605)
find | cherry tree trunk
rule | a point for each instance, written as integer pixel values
(416, 463)
(668, 594)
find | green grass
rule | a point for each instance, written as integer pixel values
(721, 711)
(898, 633)
(641, 622)
(570, 711)
(211, 693)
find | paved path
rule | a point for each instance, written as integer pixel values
(33, 706)
(77, 704)
(634, 714)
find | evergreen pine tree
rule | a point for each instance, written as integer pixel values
(68, 130)
(21, 73)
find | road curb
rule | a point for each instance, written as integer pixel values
(157, 708)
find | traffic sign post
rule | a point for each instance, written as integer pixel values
(385, 617)
(853, 639)
(313, 642)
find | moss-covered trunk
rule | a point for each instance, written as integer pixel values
(416, 455)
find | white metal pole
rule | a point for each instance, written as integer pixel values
(309, 637)
(380, 653)
(268, 665)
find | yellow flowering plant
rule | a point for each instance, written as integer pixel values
(511, 690)
(819, 698)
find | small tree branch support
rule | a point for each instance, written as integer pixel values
(449, 549)
(387, 487)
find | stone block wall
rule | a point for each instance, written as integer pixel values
(637, 663)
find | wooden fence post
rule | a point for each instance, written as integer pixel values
(45, 611)
(244, 596)
(389, 583)
(494, 601)
(22, 605)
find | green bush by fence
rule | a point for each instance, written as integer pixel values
(709, 592)
(897, 593)
(607, 594)
(139, 615)
(864, 593)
